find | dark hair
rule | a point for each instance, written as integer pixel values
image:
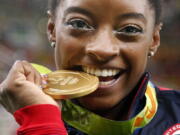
(156, 4)
(52, 5)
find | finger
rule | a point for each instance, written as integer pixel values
(16, 72)
(44, 81)
(35, 75)
(38, 78)
(29, 72)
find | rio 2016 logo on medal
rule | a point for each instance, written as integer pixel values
(174, 130)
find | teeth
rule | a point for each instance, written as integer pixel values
(101, 72)
(106, 83)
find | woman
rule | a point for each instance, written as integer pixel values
(112, 40)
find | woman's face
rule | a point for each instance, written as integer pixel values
(107, 38)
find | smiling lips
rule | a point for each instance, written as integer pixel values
(106, 76)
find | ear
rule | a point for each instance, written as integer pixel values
(155, 39)
(51, 27)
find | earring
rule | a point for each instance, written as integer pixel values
(53, 44)
(161, 25)
(150, 54)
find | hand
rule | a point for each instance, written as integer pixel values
(22, 88)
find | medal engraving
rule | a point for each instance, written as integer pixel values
(69, 80)
(65, 84)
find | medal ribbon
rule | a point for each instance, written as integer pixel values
(93, 124)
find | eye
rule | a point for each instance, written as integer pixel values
(79, 24)
(130, 30)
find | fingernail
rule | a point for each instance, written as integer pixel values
(44, 82)
(44, 76)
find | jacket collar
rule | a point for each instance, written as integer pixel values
(139, 99)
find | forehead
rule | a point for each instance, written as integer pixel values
(110, 10)
(105, 6)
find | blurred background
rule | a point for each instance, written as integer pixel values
(23, 37)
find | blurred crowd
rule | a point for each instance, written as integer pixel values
(165, 67)
(23, 33)
(23, 37)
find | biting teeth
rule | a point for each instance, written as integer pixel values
(106, 83)
(101, 72)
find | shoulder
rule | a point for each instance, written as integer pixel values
(167, 113)
(168, 94)
(168, 103)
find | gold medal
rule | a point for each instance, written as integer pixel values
(65, 84)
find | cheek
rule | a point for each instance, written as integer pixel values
(68, 51)
(137, 57)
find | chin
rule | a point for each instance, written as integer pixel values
(97, 103)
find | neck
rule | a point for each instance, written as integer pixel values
(119, 111)
(123, 110)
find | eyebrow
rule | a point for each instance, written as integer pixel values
(132, 16)
(78, 10)
(74, 9)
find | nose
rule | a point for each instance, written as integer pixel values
(102, 47)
